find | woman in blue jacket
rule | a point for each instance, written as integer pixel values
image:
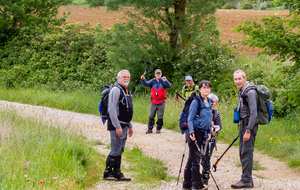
(199, 126)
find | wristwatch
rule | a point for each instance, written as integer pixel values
(248, 131)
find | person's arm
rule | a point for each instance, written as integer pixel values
(252, 103)
(192, 113)
(113, 106)
(147, 83)
(130, 130)
(218, 120)
(166, 83)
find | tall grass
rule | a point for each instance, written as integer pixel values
(37, 156)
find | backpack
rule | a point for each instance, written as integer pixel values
(183, 124)
(103, 105)
(265, 105)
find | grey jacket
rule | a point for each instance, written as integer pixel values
(247, 104)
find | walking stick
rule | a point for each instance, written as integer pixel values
(214, 181)
(217, 161)
(180, 96)
(181, 162)
(149, 63)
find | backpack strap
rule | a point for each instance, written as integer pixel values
(120, 87)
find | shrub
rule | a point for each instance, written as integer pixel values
(67, 58)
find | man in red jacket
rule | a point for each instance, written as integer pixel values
(158, 95)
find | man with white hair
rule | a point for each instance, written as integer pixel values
(120, 110)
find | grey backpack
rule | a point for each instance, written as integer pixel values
(265, 106)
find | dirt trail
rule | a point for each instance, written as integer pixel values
(167, 146)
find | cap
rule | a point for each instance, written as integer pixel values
(157, 71)
(188, 78)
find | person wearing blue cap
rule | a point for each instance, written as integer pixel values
(190, 88)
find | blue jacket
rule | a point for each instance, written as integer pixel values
(203, 120)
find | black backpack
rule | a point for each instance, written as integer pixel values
(183, 124)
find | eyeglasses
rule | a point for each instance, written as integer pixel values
(205, 88)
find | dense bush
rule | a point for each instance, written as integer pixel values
(65, 59)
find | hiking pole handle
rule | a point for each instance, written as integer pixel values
(149, 63)
(217, 161)
(180, 96)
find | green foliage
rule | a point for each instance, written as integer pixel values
(65, 59)
(35, 155)
(158, 31)
(247, 4)
(16, 14)
(279, 36)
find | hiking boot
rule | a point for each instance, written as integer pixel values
(205, 177)
(149, 131)
(158, 131)
(110, 178)
(186, 188)
(123, 178)
(241, 184)
(203, 188)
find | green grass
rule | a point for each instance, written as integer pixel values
(79, 3)
(145, 169)
(38, 156)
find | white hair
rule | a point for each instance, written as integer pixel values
(213, 96)
(120, 72)
(240, 71)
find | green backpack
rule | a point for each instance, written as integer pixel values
(265, 106)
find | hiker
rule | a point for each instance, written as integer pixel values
(247, 106)
(158, 95)
(199, 125)
(120, 111)
(189, 89)
(217, 126)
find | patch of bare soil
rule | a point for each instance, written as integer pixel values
(167, 146)
(227, 20)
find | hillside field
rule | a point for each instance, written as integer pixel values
(227, 19)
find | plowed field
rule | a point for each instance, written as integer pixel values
(227, 19)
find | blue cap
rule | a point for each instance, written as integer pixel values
(188, 78)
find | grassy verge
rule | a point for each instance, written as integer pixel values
(79, 3)
(48, 140)
(36, 156)
(279, 139)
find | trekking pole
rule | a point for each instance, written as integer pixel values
(149, 63)
(180, 96)
(181, 162)
(214, 181)
(217, 161)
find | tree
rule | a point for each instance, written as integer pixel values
(278, 36)
(177, 19)
(161, 31)
(16, 14)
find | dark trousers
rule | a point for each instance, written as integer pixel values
(192, 176)
(246, 150)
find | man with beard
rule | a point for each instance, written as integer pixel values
(120, 110)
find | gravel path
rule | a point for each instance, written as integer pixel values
(167, 146)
